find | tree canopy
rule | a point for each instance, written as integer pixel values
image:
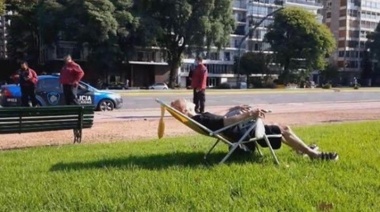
(101, 24)
(2, 6)
(296, 35)
(178, 24)
(255, 63)
(373, 45)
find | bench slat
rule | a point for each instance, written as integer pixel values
(44, 124)
(47, 118)
(67, 108)
(28, 130)
(37, 114)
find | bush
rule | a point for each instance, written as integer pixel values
(326, 86)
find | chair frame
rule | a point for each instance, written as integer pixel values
(258, 126)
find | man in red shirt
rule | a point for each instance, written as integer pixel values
(28, 81)
(71, 74)
(199, 83)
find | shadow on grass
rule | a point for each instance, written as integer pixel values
(159, 161)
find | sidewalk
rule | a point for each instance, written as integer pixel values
(154, 113)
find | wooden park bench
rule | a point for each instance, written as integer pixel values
(40, 119)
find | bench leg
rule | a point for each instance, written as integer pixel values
(77, 135)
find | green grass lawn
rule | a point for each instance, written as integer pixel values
(170, 175)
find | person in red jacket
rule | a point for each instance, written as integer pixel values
(27, 78)
(199, 83)
(71, 74)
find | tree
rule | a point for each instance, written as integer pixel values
(101, 24)
(373, 44)
(107, 29)
(255, 63)
(28, 26)
(330, 73)
(175, 25)
(367, 71)
(296, 35)
(2, 6)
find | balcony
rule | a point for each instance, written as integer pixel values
(304, 3)
(149, 56)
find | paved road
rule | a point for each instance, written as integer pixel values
(219, 99)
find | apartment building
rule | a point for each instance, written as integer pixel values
(4, 26)
(350, 21)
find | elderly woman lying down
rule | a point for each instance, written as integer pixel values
(239, 113)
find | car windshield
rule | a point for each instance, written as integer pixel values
(49, 84)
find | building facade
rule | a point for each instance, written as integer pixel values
(350, 21)
(5, 22)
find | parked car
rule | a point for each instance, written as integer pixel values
(49, 93)
(159, 86)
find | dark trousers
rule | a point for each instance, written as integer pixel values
(28, 93)
(199, 99)
(70, 93)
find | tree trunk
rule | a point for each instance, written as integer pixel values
(285, 73)
(174, 64)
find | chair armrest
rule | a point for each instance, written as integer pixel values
(259, 129)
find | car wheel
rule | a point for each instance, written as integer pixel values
(106, 105)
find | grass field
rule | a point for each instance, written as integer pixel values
(170, 175)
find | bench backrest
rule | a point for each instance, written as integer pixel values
(26, 119)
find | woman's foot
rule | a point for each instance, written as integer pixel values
(329, 156)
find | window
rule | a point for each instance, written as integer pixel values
(49, 85)
(354, 34)
(214, 56)
(341, 44)
(353, 44)
(227, 56)
(62, 51)
(342, 33)
(343, 13)
(342, 23)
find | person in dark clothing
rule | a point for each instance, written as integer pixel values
(71, 74)
(199, 84)
(28, 81)
(215, 122)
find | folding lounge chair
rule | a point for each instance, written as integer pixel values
(218, 134)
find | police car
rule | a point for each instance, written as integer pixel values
(49, 93)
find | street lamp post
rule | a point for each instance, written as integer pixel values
(250, 31)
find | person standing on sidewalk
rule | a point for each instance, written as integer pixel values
(71, 74)
(28, 81)
(199, 83)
